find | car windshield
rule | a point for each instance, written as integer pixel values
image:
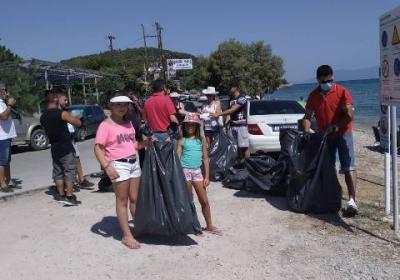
(76, 111)
(275, 107)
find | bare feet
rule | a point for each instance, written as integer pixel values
(130, 242)
(213, 230)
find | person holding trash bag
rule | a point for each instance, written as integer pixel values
(237, 116)
(159, 112)
(212, 125)
(332, 106)
(192, 150)
(116, 150)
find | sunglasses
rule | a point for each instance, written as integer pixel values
(120, 104)
(327, 81)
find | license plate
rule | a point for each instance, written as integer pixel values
(278, 127)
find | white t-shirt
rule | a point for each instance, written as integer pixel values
(7, 127)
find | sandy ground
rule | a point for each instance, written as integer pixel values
(39, 239)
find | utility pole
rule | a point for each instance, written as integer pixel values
(110, 37)
(146, 62)
(160, 47)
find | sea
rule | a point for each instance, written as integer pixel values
(365, 94)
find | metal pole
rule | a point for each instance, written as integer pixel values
(97, 91)
(46, 79)
(146, 63)
(387, 166)
(84, 90)
(394, 169)
(69, 91)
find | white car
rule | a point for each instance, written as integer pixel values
(266, 118)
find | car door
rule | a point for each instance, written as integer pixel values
(100, 116)
(19, 125)
(90, 120)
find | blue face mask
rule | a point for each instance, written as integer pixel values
(326, 86)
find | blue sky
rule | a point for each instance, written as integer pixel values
(305, 33)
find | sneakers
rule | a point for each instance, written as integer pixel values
(68, 200)
(6, 189)
(71, 201)
(86, 185)
(352, 208)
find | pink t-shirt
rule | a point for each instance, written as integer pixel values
(118, 140)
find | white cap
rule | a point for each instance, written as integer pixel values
(174, 94)
(121, 99)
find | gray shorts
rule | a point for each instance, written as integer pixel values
(241, 136)
(64, 168)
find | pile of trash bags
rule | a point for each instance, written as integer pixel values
(313, 183)
(304, 172)
(259, 173)
(223, 153)
(164, 205)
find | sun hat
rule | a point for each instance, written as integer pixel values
(174, 94)
(121, 99)
(192, 118)
(209, 91)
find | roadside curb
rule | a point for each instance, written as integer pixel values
(11, 196)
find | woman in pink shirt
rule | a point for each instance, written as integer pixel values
(116, 150)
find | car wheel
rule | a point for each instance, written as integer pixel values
(82, 134)
(39, 140)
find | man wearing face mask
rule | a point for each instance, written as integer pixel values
(332, 106)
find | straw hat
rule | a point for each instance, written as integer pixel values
(210, 91)
(192, 118)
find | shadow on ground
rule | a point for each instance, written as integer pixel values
(109, 227)
(280, 203)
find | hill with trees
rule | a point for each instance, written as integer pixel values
(254, 65)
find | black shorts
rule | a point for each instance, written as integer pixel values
(64, 167)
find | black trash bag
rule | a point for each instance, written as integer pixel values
(313, 185)
(223, 153)
(164, 205)
(266, 174)
(236, 178)
(105, 184)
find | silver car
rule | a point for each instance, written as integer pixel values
(29, 131)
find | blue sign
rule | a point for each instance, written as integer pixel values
(397, 67)
(384, 39)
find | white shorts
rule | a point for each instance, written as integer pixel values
(126, 170)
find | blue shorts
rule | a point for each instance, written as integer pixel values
(5, 152)
(343, 144)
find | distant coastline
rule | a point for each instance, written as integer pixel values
(340, 81)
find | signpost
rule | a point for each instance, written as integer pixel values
(180, 64)
(389, 38)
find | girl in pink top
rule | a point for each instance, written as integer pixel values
(116, 150)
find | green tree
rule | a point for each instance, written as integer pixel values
(253, 65)
(21, 84)
(199, 77)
